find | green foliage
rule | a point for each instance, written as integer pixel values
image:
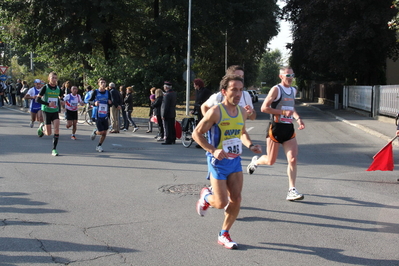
(140, 43)
(265, 89)
(394, 23)
(269, 68)
(341, 40)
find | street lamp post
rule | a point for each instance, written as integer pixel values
(225, 51)
(188, 79)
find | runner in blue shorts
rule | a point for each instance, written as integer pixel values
(225, 125)
(36, 113)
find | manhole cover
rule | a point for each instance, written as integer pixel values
(185, 189)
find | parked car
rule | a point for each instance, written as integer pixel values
(254, 95)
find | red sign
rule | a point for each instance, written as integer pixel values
(3, 69)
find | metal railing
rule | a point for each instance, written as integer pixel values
(377, 100)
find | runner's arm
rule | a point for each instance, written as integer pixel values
(211, 117)
(245, 139)
(40, 95)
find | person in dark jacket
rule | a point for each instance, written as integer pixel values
(115, 107)
(201, 95)
(129, 109)
(122, 91)
(18, 87)
(156, 105)
(168, 113)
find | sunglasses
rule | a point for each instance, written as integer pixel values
(289, 75)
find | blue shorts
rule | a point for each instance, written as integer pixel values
(35, 110)
(220, 170)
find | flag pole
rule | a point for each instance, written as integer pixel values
(386, 145)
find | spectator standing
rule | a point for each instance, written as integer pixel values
(2, 92)
(9, 93)
(129, 109)
(18, 87)
(201, 95)
(89, 91)
(122, 91)
(116, 106)
(13, 92)
(156, 106)
(24, 91)
(152, 99)
(36, 113)
(168, 113)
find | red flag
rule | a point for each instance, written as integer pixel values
(383, 160)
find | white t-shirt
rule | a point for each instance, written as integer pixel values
(32, 91)
(217, 98)
(71, 102)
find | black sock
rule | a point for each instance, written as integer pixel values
(55, 141)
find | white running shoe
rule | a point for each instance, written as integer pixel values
(252, 165)
(293, 194)
(93, 134)
(99, 149)
(226, 241)
(202, 206)
(135, 129)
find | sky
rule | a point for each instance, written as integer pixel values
(282, 38)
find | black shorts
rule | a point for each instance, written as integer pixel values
(50, 117)
(280, 132)
(102, 123)
(71, 115)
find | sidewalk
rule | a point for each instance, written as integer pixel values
(383, 127)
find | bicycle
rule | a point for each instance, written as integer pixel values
(188, 126)
(86, 112)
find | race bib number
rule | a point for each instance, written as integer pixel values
(233, 147)
(102, 109)
(286, 119)
(53, 100)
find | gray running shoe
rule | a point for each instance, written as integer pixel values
(252, 165)
(293, 194)
(93, 134)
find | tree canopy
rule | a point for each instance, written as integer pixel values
(269, 67)
(140, 42)
(341, 40)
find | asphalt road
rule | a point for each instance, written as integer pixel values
(134, 204)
